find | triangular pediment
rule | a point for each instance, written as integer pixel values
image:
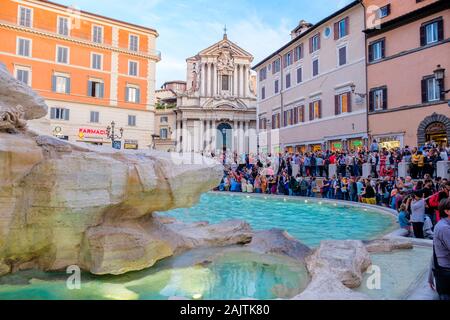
(226, 44)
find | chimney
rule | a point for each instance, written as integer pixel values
(301, 28)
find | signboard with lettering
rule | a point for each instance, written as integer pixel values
(91, 134)
(131, 144)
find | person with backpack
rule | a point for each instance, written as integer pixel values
(440, 276)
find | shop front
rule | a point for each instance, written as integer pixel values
(92, 136)
(316, 147)
(337, 146)
(300, 149)
(356, 144)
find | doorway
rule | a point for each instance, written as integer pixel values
(437, 133)
(224, 137)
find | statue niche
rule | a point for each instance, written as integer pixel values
(225, 62)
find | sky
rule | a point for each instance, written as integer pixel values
(186, 27)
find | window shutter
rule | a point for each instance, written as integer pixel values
(52, 113)
(424, 91)
(370, 53)
(102, 90)
(68, 85)
(441, 89)
(423, 37)
(138, 95)
(320, 109)
(302, 54)
(66, 114)
(347, 25)
(371, 106)
(336, 31)
(311, 45)
(383, 48)
(303, 113)
(318, 40)
(89, 88)
(385, 99)
(349, 102)
(54, 83)
(388, 9)
(440, 25)
(336, 105)
(311, 111)
(127, 99)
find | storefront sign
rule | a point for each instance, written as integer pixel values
(90, 133)
(131, 144)
(117, 145)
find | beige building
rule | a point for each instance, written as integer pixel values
(218, 109)
(311, 91)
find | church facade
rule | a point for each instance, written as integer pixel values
(217, 112)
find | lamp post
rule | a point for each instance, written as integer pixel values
(439, 75)
(362, 95)
(110, 132)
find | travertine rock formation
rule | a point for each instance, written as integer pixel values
(63, 204)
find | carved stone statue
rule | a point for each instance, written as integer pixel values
(225, 62)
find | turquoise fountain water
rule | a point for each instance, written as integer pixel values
(234, 274)
(309, 222)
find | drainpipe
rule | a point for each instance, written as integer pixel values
(281, 96)
(367, 76)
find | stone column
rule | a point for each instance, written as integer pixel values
(202, 84)
(213, 135)
(244, 92)
(241, 80)
(235, 81)
(185, 134)
(202, 136)
(178, 135)
(208, 80)
(246, 137)
(215, 87)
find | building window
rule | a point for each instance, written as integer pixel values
(61, 84)
(133, 68)
(341, 28)
(298, 52)
(63, 26)
(60, 114)
(132, 94)
(315, 67)
(288, 81)
(163, 133)
(300, 114)
(164, 119)
(299, 75)
(97, 34)
(315, 110)
(225, 82)
(287, 59)
(25, 17)
(24, 47)
(378, 99)
(384, 11)
(431, 89)
(95, 117)
(96, 61)
(132, 121)
(342, 56)
(263, 74)
(314, 43)
(276, 121)
(134, 43)
(96, 89)
(343, 103)
(276, 66)
(262, 123)
(23, 75)
(377, 50)
(432, 32)
(277, 86)
(263, 93)
(62, 54)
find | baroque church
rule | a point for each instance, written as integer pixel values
(217, 111)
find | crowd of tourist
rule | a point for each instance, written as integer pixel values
(307, 175)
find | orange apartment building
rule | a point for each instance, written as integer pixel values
(91, 70)
(408, 51)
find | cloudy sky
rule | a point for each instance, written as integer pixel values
(188, 26)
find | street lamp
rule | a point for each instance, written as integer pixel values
(439, 75)
(110, 133)
(362, 95)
